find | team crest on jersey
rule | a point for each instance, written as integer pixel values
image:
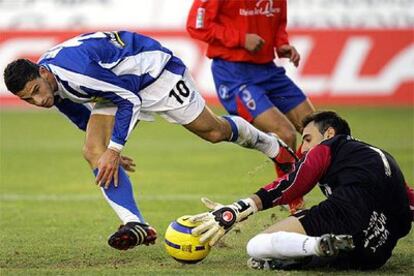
(223, 91)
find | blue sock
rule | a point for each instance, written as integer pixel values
(234, 130)
(121, 198)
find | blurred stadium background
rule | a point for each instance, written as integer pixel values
(353, 51)
(357, 57)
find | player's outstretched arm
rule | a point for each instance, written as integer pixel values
(222, 218)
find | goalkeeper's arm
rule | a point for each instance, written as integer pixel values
(222, 218)
(299, 182)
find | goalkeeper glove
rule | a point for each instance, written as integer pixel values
(221, 219)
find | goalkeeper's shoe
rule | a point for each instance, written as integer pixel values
(330, 245)
(286, 157)
(276, 264)
(261, 264)
(132, 234)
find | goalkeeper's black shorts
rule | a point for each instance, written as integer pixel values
(374, 226)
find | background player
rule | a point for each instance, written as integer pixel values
(242, 38)
(365, 213)
(129, 76)
(242, 44)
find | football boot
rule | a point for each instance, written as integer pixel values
(132, 234)
(330, 245)
(286, 157)
(276, 264)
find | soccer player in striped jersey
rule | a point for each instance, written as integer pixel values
(105, 83)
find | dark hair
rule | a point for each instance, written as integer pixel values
(18, 73)
(325, 119)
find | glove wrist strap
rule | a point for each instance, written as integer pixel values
(251, 203)
(245, 207)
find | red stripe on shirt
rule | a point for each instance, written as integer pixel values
(300, 181)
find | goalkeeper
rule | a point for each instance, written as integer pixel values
(357, 226)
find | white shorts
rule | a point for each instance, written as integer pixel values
(173, 97)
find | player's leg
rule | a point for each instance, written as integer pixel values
(241, 88)
(134, 230)
(287, 239)
(244, 90)
(188, 108)
(295, 116)
(352, 218)
(290, 100)
(253, 103)
(299, 112)
(235, 129)
(272, 120)
(121, 199)
(299, 240)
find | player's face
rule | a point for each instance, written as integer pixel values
(311, 137)
(38, 92)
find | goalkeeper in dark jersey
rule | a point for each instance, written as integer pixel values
(366, 211)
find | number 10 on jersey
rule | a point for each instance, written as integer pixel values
(180, 91)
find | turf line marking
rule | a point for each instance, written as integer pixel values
(91, 197)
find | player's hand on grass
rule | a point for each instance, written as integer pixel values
(290, 52)
(108, 168)
(220, 219)
(253, 42)
(127, 163)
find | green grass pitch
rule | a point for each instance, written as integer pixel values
(55, 221)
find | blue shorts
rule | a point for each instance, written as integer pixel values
(248, 89)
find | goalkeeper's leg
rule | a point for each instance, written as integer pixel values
(289, 247)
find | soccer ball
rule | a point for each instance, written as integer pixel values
(181, 245)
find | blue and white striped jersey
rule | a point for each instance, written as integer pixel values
(114, 66)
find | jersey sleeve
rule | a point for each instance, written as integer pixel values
(282, 37)
(78, 113)
(299, 181)
(202, 25)
(102, 83)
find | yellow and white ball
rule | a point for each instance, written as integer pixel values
(181, 245)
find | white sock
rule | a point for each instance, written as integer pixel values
(282, 245)
(250, 137)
